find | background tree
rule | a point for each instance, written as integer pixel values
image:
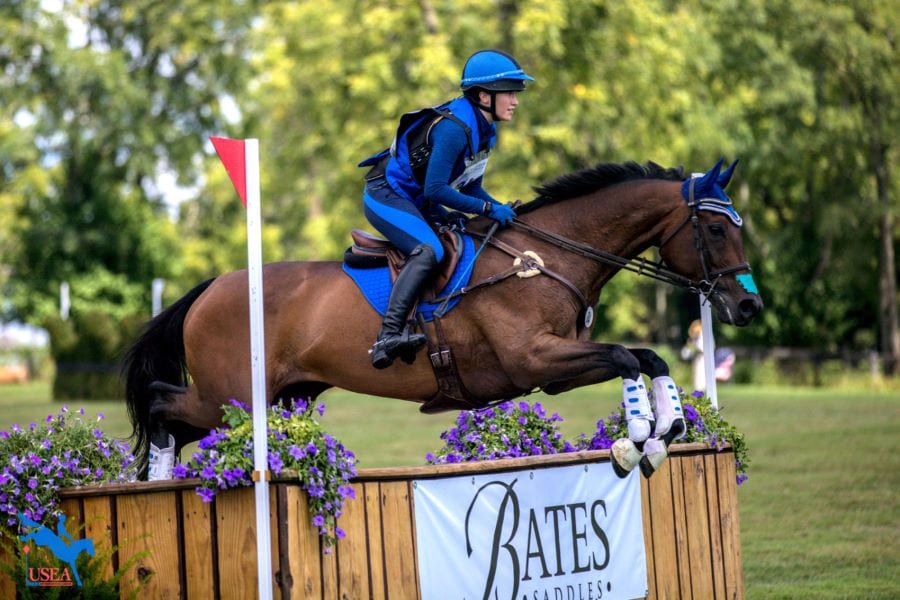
(804, 92)
(108, 94)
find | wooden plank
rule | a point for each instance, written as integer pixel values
(328, 562)
(236, 539)
(400, 568)
(274, 534)
(301, 544)
(648, 537)
(8, 561)
(697, 520)
(148, 522)
(353, 564)
(715, 526)
(374, 531)
(665, 558)
(98, 526)
(731, 526)
(198, 546)
(681, 539)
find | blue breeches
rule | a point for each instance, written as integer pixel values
(398, 219)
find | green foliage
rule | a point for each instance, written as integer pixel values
(507, 430)
(804, 92)
(297, 447)
(63, 450)
(87, 348)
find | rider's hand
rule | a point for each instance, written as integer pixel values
(501, 213)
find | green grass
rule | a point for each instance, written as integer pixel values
(820, 514)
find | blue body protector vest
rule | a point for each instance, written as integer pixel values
(405, 169)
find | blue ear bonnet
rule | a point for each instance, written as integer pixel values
(709, 191)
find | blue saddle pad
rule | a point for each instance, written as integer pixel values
(375, 284)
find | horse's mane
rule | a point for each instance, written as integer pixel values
(581, 183)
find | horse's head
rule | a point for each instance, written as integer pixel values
(706, 246)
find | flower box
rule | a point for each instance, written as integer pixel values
(208, 550)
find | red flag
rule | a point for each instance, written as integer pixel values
(231, 152)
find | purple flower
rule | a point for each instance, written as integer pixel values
(311, 449)
(296, 453)
(206, 494)
(275, 462)
(179, 471)
(690, 413)
(321, 409)
(318, 521)
(339, 533)
(239, 404)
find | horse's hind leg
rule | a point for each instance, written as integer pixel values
(168, 435)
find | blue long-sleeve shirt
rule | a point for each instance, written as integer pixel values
(450, 146)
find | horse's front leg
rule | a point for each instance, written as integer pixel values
(670, 423)
(563, 364)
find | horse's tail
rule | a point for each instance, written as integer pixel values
(156, 356)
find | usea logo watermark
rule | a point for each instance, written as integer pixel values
(61, 544)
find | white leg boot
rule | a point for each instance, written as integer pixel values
(637, 410)
(162, 461)
(669, 416)
(626, 453)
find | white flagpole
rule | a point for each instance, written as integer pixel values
(258, 364)
(709, 350)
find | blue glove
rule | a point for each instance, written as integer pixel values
(502, 213)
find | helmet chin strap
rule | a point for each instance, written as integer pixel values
(493, 107)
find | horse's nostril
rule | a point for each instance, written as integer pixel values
(749, 307)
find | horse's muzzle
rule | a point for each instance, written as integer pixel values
(747, 310)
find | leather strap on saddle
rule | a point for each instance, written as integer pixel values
(452, 393)
(368, 245)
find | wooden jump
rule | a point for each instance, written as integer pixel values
(208, 550)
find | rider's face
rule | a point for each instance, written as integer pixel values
(505, 104)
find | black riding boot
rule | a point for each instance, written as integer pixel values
(395, 339)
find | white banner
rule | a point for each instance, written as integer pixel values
(564, 533)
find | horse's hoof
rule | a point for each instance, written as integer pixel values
(619, 471)
(625, 457)
(655, 453)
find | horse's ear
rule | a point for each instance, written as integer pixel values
(725, 176)
(704, 185)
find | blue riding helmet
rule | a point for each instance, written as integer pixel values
(495, 71)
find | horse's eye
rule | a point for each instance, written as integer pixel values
(717, 229)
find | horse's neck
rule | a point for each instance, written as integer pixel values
(624, 220)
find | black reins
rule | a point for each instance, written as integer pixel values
(642, 266)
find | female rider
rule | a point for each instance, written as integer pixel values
(420, 174)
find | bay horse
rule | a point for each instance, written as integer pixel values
(509, 335)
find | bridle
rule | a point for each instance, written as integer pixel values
(650, 268)
(642, 266)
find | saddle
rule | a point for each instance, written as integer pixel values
(371, 252)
